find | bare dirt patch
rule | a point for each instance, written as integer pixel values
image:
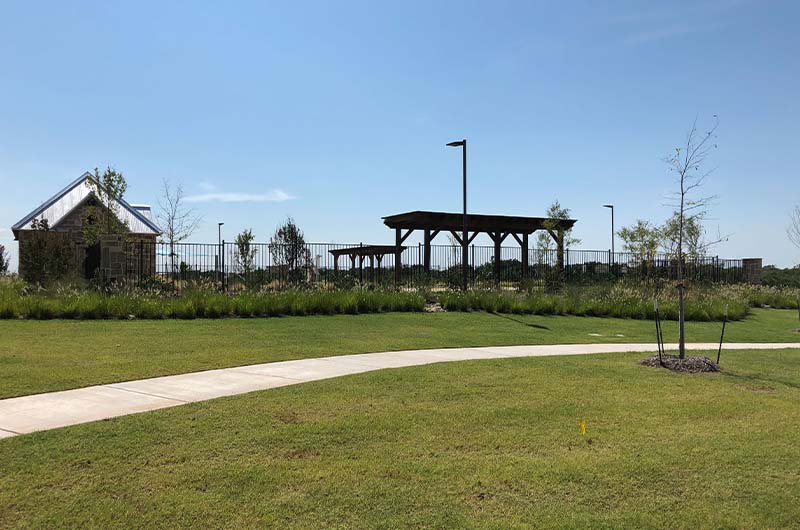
(692, 365)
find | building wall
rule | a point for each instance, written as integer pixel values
(112, 248)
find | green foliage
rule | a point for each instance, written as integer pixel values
(245, 252)
(101, 216)
(693, 232)
(70, 303)
(642, 238)
(287, 246)
(45, 256)
(544, 241)
(773, 276)
(621, 300)
(3, 260)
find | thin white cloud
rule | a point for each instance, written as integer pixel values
(206, 186)
(275, 195)
(663, 23)
(669, 31)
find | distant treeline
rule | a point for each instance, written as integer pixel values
(775, 277)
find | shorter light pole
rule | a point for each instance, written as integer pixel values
(611, 206)
(464, 251)
(220, 251)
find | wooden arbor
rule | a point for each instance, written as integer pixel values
(498, 227)
(375, 253)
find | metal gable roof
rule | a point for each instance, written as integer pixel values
(73, 195)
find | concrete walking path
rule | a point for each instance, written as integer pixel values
(39, 412)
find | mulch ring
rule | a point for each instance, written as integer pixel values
(692, 365)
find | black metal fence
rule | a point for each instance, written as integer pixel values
(259, 266)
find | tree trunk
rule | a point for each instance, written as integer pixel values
(681, 321)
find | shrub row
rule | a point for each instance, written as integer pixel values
(635, 307)
(204, 304)
(621, 300)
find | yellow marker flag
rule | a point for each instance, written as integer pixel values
(583, 426)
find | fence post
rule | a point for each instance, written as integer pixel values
(141, 262)
(222, 266)
(471, 268)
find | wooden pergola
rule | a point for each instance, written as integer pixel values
(375, 253)
(497, 227)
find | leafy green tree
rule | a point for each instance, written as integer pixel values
(245, 252)
(101, 216)
(287, 246)
(692, 237)
(642, 238)
(555, 212)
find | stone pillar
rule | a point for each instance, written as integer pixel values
(752, 269)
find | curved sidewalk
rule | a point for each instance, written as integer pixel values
(39, 412)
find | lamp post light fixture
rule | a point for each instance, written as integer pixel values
(464, 254)
(219, 233)
(611, 206)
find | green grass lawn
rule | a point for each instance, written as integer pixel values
(42, 356)
(488, 444)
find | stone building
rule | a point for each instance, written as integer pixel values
(111, 255)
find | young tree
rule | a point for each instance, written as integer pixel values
(177, 221)
(3, 261)
(793, 230)
(555, 212)
(688, 163)
(101, 217)
(245, 252)
(642, 238)
(288, 249)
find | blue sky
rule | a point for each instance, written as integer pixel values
(337, 113)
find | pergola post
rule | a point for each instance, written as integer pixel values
(560, 250)
(361, 270)
(372, 269)
(525, 256)
(427, 250)
(335, 263)
(398, 251)
(498, 240)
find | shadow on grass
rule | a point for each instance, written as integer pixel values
(758, 378)
(518, 321)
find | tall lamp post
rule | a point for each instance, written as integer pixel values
(611, 206)
(464, 251)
